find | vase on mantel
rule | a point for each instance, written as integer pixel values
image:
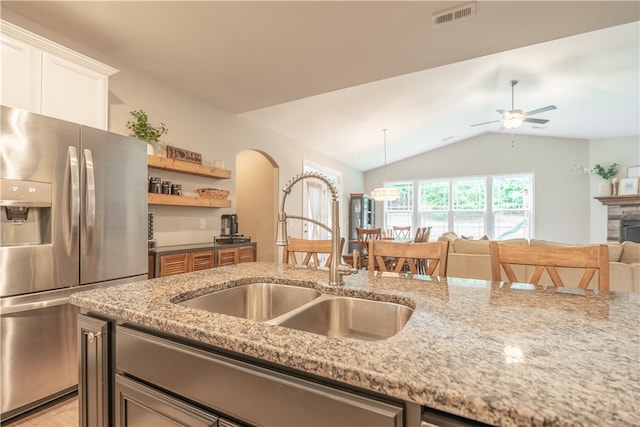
(604, 188)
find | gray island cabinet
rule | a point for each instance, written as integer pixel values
(472, 353)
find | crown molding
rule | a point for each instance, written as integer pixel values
(17, 33)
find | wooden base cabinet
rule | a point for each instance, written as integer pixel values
(185, 262)
(232, 256)
(170, 260)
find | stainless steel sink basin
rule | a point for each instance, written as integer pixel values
(307, 309)
(354, 318)
(256, 301)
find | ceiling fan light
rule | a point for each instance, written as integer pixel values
(385, 194)
(512, 119)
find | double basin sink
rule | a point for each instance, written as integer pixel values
(307, 309)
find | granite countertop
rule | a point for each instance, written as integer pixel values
(503, 355)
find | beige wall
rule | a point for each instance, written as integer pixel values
(564, 207)
(218, 135)
(257, 198)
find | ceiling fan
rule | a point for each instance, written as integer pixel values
(512, 119)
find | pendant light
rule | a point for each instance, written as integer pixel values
(385, 193)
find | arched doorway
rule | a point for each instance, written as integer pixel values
(257, 200)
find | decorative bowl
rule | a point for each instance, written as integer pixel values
(213, 193)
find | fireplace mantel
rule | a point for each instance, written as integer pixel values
(619, 200)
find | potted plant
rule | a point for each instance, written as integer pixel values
(142, 129)
(607, 174)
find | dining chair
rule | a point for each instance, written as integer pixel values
(418, 258)
(424, 235)
(401, 232)
(590, 258)
(311, 250)
(364, 236)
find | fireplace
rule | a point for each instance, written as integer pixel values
(623, 218)
(630, 230)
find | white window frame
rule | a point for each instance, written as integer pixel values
(489, 213)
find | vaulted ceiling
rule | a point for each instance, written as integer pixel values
(333, 74)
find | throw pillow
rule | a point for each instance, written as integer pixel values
(615, 251)
(466, 246)
(450, 237)
(630, 252)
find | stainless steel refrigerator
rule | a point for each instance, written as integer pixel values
(73, 208)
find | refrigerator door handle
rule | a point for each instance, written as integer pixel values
(74, 202)
(90, 200)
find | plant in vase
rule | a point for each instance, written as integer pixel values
(607, 174)
(144, 130)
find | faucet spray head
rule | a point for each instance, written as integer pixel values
(281, 229)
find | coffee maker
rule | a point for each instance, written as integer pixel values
(229, 232)
(229, 225)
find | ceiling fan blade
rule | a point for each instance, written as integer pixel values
(538, 121)
(486, 123)
(541, 110)
(501, 112)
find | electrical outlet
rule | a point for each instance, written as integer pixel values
(203, 224)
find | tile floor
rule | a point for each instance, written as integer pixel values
(60, 413)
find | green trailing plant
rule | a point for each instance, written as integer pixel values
(607, 173)
(143, 130)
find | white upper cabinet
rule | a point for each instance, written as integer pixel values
(44, 77)
(20, 64)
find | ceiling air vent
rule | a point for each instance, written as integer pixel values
(452, 15)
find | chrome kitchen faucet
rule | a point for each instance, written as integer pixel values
(336, 269)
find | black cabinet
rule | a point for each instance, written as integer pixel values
(362, 214)
(94, 371)
(138, 405)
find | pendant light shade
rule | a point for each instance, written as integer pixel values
(383, 193)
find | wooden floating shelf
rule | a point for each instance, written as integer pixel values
(173, 200)
(187, 167)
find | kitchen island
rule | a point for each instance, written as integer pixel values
(499, 354)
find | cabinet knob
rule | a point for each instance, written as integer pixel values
(92, 337)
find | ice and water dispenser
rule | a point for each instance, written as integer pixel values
(25, 212)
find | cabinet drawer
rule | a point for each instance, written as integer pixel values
(140, 406)
(174, 264)
(245, 254)
(227, 257)
(247, 392)
(201, 260)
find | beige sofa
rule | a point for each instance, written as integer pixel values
(470, 259)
